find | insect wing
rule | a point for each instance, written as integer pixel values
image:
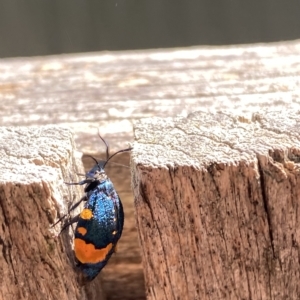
(99, 228)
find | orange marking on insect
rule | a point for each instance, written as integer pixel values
(114, 232)
(87, 253)
(86, 214)
(82, 230)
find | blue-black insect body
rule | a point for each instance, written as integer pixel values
(100, 224)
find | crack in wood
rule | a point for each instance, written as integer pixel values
(267, 211)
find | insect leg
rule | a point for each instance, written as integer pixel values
(84, 198)
(72, 221)
(80, 182)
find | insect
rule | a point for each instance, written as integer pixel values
(100, 223)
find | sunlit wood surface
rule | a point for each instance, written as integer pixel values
(111, 90)
(217, 202)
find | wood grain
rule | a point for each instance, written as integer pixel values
(217, 200)
(112, 89)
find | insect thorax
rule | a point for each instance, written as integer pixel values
(100, 176)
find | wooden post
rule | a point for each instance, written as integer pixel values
(218, 203)
(35, 263)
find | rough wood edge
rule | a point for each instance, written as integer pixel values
(206, 187)
(37, 264)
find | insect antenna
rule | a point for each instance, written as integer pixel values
(120, 151)
(92, 157)
(106, 144)
(107, 150)
(117, 164)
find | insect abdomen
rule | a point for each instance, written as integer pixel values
(99, 228)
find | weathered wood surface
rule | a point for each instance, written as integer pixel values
(111, 90)
(218, 205)
(35, 262)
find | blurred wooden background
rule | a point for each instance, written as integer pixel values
(110, 90)
(34, 27)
